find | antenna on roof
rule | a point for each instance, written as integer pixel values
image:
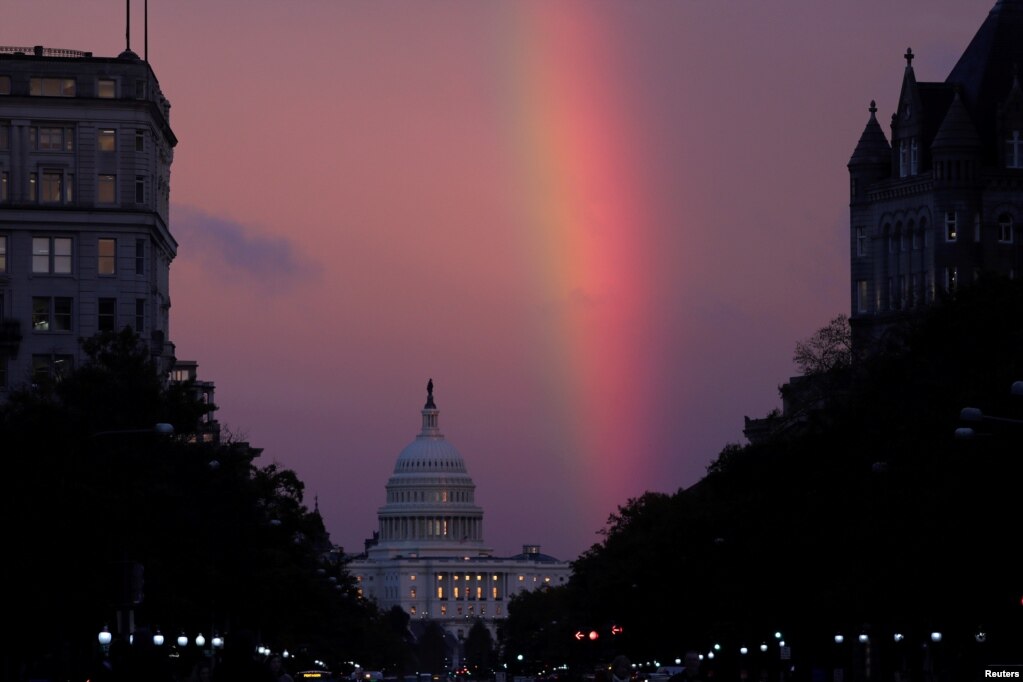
(145, 25)
(127, 25)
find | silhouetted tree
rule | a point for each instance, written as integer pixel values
(432, 648)
(479, 649)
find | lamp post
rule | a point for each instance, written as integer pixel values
(132, 572)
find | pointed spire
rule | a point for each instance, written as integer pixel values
(957, 130)
(909, 57)
(873, 147)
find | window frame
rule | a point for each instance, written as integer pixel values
(140, 256)
(52, 86)
(106, 140)
(108, 259)
(140, 315)
(104, 180)
(1005, 229)
(56, 139)
(53, 314)
(101, 82)
(53, 259)
(951, 226)
(106, 314)
(1014, 151)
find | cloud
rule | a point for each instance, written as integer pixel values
(229, 250)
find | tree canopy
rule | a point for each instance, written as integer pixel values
(106, 515)
(870, 515)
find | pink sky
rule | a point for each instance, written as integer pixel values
(599, 226)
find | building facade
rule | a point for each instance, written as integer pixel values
(941, 203)
(428, 556)
(85, 243)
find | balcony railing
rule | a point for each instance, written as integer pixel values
(40, 51)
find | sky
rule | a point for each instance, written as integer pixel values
(600, 226)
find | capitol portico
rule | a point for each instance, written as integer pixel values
(428, 556)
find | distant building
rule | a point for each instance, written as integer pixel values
(938, 206)
(942, 203)
(428, 556)
(85, 242)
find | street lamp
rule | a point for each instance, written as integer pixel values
(105, 637)
(158, 638)
(975, 416)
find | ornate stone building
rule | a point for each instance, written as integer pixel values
(428, 556)
(85, 241)
(941, 203)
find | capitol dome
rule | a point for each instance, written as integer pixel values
(430, 508)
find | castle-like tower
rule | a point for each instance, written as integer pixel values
(942, 203)
(85, 245)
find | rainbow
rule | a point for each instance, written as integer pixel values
(586, 221)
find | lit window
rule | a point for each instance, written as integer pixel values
(951, 227)
(443, 610)
(107, 314)
(412, 593)
(51, 139)
(107, 140)
(51, 255)
(52, 190)
(106, 189)
(107, 264)
(47, 368)
(412, 577)
(51, 314)
(1005, 228)
(412, 610)
(106, 88)
(52, 87)
(440, 592)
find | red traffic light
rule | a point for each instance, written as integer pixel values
(593, 635)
